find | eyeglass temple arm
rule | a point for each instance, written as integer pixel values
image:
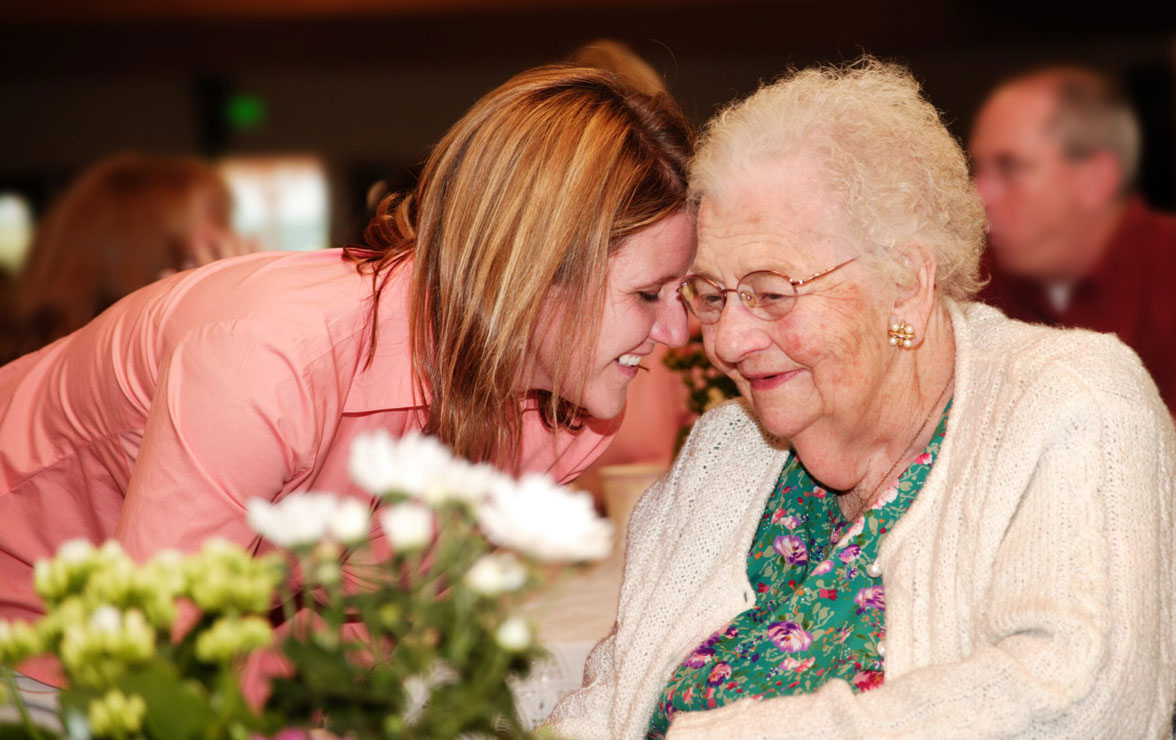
(822, 273)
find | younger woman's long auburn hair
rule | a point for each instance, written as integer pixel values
(535, 187)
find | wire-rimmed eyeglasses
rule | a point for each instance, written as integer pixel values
(767, 294)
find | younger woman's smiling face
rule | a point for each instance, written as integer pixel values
(641, 309)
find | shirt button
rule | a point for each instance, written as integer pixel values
(881, 648)
(874, 570)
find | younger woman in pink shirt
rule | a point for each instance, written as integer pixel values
(503, 305)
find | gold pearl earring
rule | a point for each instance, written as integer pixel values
(902, 334)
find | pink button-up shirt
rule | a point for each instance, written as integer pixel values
(156, 422)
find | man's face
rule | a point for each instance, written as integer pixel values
(1029, 188)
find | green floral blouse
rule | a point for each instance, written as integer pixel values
(820, 609)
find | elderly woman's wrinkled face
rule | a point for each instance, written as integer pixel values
(818, 369)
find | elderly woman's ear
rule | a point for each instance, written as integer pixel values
(915, 296)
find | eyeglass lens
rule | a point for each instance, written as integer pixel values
(765, 294)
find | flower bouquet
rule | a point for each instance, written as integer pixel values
(399, 627)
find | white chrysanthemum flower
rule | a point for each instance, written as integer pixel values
(262, 517)
(419, 687)
(495, 574)
(409, 525)
(416, 692)
(473, 483)
(545, 521)
(514, 634)
(414, 464)
(373, 462)
(297, 520)
(350, 521)
(418, 466)
(428, 470)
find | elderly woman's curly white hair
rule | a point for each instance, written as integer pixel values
(897, 172)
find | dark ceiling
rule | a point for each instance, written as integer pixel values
(83, 35)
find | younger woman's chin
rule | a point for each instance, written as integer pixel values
(606, 409)
(606, 414)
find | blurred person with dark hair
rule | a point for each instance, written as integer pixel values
(123, 223)
(503, 306)
(1055, 156)
(618, 58)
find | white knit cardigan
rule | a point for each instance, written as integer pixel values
(1029, 587)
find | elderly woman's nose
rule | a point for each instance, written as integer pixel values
(737, 333)
(671, 328)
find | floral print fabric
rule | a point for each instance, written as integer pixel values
(819, 613)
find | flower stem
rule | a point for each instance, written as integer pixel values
(21, 708)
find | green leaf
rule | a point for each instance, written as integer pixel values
(18, 732)
(176, 709)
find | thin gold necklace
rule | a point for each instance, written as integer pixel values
(903, 455)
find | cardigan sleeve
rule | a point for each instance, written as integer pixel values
(1069, 635)
(232, 417)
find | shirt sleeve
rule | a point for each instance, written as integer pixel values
(232, 417)
(1066, 636)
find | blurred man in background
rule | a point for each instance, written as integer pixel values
(1055, 155)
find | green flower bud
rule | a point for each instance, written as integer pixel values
(18, 640)
(52, 625)
(325, 638)
(394, 726)
(112, 584)
(116, 715)
(98, 650)
(232, 636)
(327, 572)
(210, 592)
(166, 569)
(514, 635)
(389, 615)
(138, 638)
(224, 578)
(160, 610)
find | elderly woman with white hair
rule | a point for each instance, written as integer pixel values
(923, 518)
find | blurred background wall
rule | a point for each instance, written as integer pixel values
(357, 89)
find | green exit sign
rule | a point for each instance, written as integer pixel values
(245, 111)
